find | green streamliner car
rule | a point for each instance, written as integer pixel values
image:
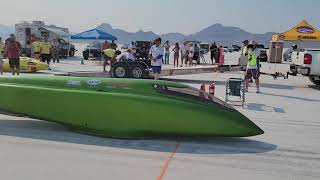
(124, 108)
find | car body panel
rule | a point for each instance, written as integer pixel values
(27, 65)
(124, 108)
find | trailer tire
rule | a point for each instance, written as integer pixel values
(120, 70)
(314, 81)
(138, 71)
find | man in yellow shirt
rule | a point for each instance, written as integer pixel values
(45, 51)
(36, 48)
(110, 54)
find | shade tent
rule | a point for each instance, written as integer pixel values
(303, 32)
(94, 34)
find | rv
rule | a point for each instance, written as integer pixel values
(25, 31)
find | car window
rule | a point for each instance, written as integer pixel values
(191, 93)
(61, 41)
(95, 45)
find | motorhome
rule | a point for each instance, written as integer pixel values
(25, 31)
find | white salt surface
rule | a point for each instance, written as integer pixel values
(288, 111)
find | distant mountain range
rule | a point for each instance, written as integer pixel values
(221, 34)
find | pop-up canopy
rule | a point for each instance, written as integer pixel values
(94, 34)
(302, 32)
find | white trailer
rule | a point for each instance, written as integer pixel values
(25, 31)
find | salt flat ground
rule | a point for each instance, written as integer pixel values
(288, 111)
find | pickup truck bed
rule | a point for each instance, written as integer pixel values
(307, 63)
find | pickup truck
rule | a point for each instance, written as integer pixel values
(306, 62)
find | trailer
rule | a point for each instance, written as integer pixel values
(25, 31)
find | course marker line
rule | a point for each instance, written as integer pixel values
(167, 162)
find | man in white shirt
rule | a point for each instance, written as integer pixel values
(184, 50)
(156, 53)
(190, 54)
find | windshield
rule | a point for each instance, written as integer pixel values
(190, 93)
(95, 46)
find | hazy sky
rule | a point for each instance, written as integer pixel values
(163, 16)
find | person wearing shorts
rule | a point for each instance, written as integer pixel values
(253, 66)
(156, 53)
(12, 51)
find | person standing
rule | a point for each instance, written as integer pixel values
(1, 55)
(190, 54)
(176, 50)
(45, 47)
(213, 49)
(12, 52)
(184, 50)
(253, 66)
(156, 53)
(196, 55)
(35, 47)
(243, 60)
(167, 52)
(55, 50)
(113, 44)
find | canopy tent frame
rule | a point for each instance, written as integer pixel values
(94, 34)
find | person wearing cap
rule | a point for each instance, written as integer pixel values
(156, 53)
(243, 60)
(253, 65)
(110, 55)
(1, 55)
(12, 52)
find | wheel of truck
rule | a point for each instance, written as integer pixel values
(138, 71)
(71, 53)
(314, 80)
(120, 71)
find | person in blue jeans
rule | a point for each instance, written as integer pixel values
(156, 53)
(166, 52)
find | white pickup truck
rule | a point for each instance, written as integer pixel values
(307, 63)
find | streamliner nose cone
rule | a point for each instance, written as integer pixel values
(245, 127)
